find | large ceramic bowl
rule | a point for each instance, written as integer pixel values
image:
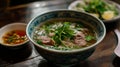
(69, 57)
(107, 14)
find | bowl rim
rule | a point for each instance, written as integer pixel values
(12, 24)
(68, 51)
(108, 1)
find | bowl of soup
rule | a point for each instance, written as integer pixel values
(13, 35)
(107, 11)
(65, 37)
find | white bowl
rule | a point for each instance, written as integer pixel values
(11, 27)
(115, 19)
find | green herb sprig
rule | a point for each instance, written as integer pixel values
(63, 32)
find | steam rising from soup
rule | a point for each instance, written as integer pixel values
(64, 35)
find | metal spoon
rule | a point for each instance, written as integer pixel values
(117, 49)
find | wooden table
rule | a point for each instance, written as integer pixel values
(28, 57)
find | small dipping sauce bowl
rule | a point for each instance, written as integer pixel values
(13, 36)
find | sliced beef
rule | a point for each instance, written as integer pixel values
(46, 40)
(79, 39)
(85, 30)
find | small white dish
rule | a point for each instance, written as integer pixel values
(11, 27)
(117, 49)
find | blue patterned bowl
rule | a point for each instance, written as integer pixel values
(72, 57)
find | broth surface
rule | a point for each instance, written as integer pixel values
(64, 35)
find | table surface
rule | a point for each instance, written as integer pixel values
(28, 57)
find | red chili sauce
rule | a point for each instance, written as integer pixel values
(14, 37)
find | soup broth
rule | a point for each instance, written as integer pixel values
(64, 35)
(14, 37)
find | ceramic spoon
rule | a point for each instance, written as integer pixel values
(117, 49)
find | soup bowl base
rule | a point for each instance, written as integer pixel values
(65, 59)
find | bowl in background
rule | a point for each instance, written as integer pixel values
(70, 57)
(20, 27)
(108, 14)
